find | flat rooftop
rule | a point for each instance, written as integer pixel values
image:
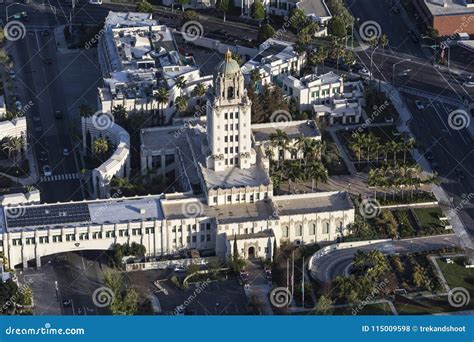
(312, 203)
(294, 129)
(449, 7)
(317, 8)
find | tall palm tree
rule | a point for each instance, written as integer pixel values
(370, 141)
(395, 147)
(317, 173)
(410, 145)
(181, 84)
(181, 104)
(301, 144)
(280, 139)
(199, 91)
(357, 143)
(120, 113)
(161, 96)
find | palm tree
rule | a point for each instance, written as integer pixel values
(319, 56)
(357, 143)
(370, 141)
(337, 53)
(280, 139)
(181, 104)
(199, 91)
(269, 152)
(410, 145)
(11, 114)
(181, 84)
(120, 113)
(100, 146)
(161, 96)
(317, 173)
(13, 146)
(395, 147)
(383, 41)
(301, 144)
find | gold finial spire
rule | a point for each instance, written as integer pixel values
(228, 55)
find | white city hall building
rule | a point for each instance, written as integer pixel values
(225, 196)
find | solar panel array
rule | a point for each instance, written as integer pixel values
(47, 215)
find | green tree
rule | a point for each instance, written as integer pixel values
(298, 19)
(161, 96)
(144, 6)
(265, 32)
(337, 28)
(13, 146)
(324, 306)
(258, 11)
(224, 6)
(189, 15)
(120, 113)
(100, 147)
(181, 103)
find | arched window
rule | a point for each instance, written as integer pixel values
(312, 229)
(299, 230)
(326, 228)
(286, 231)
(230, 92)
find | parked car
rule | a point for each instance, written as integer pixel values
(47, 171)
(58, 114)
(66, 152)
(364, 72)
(43, 156)
(18, 105)
(419, 105)
(429, 155)
(468, 84)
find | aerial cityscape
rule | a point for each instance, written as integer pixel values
(236, 157)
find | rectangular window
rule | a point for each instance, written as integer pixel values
(225, 139)
(208, 226)
(225, 116)
(236, 115)
(202, 238)
(208, 237)
(70, 237)
(188, 239)
(236, 138)
(194, 238)
(229, 198)
(231, 115)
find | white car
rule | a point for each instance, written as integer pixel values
(419, 105)
(47, 171)
(12, 74)
(364, 72)
(468, 84)
(18, 105)
(66, 152)
(95, 2)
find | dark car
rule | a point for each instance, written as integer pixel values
(58, 114)
(43, 156)
(429, 155)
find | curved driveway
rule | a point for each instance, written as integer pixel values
(338, 262)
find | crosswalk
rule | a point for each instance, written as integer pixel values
(62, 177)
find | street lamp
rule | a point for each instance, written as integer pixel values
(371, 62)
(434, 46)
(393, 68)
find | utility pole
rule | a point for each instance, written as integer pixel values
(302, 283)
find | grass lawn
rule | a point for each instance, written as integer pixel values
(370, 309)
(458, 276)
(428, 220)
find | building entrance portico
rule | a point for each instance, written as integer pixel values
(251, 252)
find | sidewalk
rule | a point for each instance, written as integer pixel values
(259, 287)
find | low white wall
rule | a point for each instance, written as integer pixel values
(154, 265)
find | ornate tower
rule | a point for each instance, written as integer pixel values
(228, 119)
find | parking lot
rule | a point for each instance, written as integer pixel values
(224, 297)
